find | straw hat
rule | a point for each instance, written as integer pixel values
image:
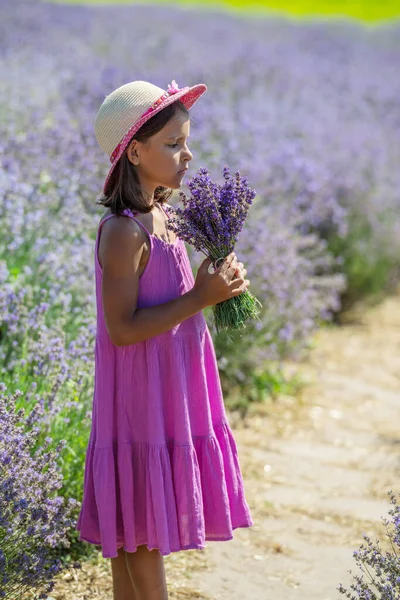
(127, 108)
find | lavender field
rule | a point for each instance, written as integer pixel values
(309, 113)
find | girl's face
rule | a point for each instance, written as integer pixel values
(159, 159)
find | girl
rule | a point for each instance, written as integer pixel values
(161, 470)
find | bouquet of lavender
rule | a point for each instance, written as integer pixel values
(211, 221)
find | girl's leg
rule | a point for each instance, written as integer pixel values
(123, 588)
(146, 568)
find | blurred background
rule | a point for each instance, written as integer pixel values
(303, 98)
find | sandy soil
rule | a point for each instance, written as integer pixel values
(317, 469)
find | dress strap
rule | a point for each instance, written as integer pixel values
(162, 207)
(96, 248)
(102, 223)
(127, 212)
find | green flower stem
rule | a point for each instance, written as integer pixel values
(234, 312)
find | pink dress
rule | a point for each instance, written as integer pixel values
(161, 465)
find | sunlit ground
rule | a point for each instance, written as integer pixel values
(366, 11)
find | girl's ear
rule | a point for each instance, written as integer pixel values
(132, 153)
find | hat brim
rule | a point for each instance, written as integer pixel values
(188, 96)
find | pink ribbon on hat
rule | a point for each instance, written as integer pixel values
(173, 88)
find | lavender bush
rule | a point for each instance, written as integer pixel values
(34, 520)
(46, 339)
(380, 570)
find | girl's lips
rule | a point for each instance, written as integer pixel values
(182, 172)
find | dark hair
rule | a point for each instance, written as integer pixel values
(123, 190)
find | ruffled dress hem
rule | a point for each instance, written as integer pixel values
(189, 494)
(167, 552)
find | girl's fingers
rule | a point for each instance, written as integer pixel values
(240, 270)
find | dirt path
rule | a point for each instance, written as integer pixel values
(317, 474)
(317, 470)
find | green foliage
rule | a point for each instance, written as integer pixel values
(366, 11)
(370, 269)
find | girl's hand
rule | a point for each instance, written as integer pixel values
(226, 282)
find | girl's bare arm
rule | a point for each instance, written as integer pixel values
(120, 251)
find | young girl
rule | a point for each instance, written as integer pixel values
(161, 471)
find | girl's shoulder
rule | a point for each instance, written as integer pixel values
(117, 231)
(116, 224)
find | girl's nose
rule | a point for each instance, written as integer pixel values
(188, 155)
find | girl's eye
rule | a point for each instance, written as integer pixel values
(173, 145)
